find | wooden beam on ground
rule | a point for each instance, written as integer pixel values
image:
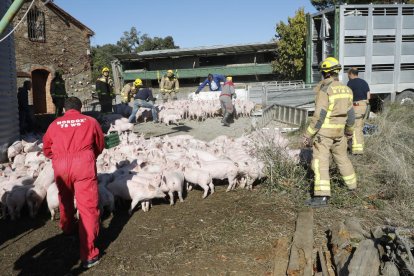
(281, 257)
(300, 261)
(365, 260)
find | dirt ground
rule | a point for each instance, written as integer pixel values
(225, 234)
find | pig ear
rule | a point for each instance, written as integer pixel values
(163, 179)
(151, 188)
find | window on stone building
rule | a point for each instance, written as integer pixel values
(36, 25)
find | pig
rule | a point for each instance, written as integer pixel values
(220, 169)
(15, 149)
(199, 177)
(171, 182)
(7, 186)
(106, 199)
(34, 158)
(16, 200)
(31, 147)
(132, 190)
(18, 161)
(37, 193)
(52, 198)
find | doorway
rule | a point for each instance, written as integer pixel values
(39, 87)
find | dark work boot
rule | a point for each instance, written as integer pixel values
(226, 119)
(317, 201)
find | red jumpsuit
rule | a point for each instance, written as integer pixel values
(73, 142)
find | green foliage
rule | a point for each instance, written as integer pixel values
(133, 42)
(290, 62)
(129, 41)
(102, 57)
(156, 43)
(323, 4)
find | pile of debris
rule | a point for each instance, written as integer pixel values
(351, 250)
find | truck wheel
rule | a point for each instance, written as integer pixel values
(406, 97)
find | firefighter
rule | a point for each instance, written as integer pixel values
(127, 92)
(142, 98)
(169, 86)
(104, 88)
(361, 92)
(226, 96)
(58, 92)
(73, 142)
(330, 128)
(213, 81)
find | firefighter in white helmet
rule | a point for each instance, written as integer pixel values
(331, 126)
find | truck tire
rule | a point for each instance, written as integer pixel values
(406, 97)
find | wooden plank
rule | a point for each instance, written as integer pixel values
(281, 257)
(300, 261)
(328, 259)
(323, 263)
(365, 260)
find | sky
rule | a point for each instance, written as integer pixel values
(191, 23)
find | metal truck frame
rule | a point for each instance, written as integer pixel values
(377, 39)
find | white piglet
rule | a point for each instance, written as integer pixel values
(172, 182)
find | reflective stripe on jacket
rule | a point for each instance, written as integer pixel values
(334, 111)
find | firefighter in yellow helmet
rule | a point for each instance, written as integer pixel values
(128, 92)
(104, 89)
(331, 126)
(169, 86)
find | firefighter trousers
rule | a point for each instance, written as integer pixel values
(322, 149)
(360, 108)
(75, 177)
(169, 96)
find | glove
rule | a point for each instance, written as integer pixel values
(348, 135)
(307, 141)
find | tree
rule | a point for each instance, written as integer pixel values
(133, 42)
(129, 41)
(291, 44)
(323, 4)
(156, 43)
(102, 57)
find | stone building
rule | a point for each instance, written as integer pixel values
(49, 39)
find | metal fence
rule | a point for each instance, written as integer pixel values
(286, 93)
(285, 114)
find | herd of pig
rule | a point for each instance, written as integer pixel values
(139, 170)
(175, 111)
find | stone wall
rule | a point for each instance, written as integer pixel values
(67, 47)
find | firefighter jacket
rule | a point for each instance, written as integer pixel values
(334, 113)
(169, 84)
(104, 86)
(128, 92)
(57, 88)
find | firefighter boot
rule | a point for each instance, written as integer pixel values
(317, 201)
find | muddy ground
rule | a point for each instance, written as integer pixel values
(225, 234)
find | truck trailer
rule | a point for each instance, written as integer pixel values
(376, 39)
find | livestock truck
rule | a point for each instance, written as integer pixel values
(377, 39)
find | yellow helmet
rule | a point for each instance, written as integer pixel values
(138, 82)
(105, 69)
(229, 78)
(330, 64)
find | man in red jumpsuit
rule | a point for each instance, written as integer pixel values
(73, 142)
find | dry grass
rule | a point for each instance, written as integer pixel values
(385, 172)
